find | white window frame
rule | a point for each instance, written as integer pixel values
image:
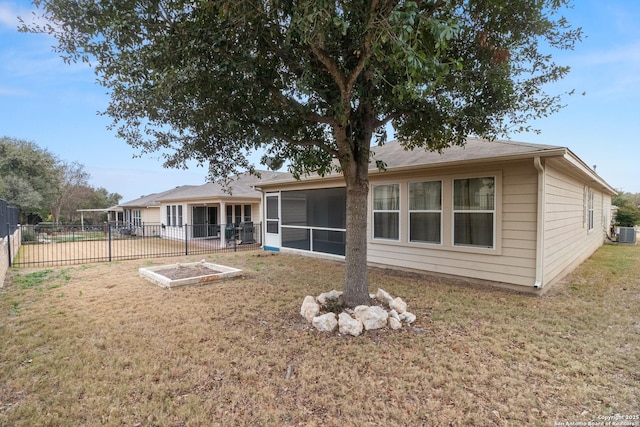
(136, 217)
(590, 209)
(493, 212)
(174, 216)
(412, 211)
(385, 211)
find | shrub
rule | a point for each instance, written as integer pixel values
(627, 216)
(29, 236)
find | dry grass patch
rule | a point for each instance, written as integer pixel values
(96, 344)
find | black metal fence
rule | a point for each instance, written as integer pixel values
(9, 218)
(48, 245)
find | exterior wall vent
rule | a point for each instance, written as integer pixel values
(627, 235)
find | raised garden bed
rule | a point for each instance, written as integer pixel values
(173, 275)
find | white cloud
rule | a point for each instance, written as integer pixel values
(9, 13)
(626, 54)
(13, 92)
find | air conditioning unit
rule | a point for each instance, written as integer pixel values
(626, 235)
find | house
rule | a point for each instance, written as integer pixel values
(515, 214)
(145, 210)
(210, 208)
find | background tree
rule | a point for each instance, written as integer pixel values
(628, 213)
(88, 197)
(313, 81)
(73, 179)
(29, 175)
(102, 198)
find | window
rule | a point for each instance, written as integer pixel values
(386, 211)
(590, 209)
(474, 212)
(425, 211)
(136, 217)
(174, 215)
(247, 213)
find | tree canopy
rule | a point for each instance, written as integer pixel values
(314, 81)
(38, 182)
(28, 173)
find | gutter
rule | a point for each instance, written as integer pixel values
(539, 283)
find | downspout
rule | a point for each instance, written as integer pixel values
(539, 283)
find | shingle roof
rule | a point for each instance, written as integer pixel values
(151, 199)
(241, 186)
(395, 156)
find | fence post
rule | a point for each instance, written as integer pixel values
(234, 235)
(186, 239)
(9, 242)
(109, 239)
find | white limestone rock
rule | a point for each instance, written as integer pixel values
(349, 325)
(394, 323)
(374, 317)
(398, 305)
(383, 296)
(407, 317)
(323, 297)
(394, 314)
(310, 308)
(325, 323)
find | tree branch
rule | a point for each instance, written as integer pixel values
(310, 116)
(388, 118)
(366, 52)
(332, 68)
(300, 143)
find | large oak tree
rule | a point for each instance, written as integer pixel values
(314, 81)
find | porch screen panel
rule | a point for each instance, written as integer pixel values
(329, 242)
(315, 208)
(272, 214)
(296, 238)
(316, 213)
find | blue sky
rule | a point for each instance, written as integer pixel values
(55, 105)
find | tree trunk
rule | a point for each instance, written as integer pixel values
(356, 174)
(356, 286)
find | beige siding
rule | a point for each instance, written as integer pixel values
(150, 215)
(513, 259)
(568, 240)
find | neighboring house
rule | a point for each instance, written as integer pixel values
(115, 215)
(145, 210)
(212, 207)
(516, 214)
